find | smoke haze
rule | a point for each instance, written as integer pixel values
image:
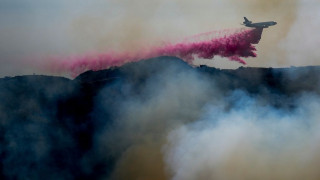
(165, 117)
(162, 119)
(35, 30)
(250, 141)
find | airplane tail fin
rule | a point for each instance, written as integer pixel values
(246, 21)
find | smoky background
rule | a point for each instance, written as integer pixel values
(32, 30)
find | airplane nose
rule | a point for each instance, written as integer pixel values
(275, 23)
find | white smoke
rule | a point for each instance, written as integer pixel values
(249, 141)
(183, 125)
(167, 99)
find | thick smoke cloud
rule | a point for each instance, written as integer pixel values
(144, 118)
(232, 46)
(182, 125)
(162, 119)
(248, 141)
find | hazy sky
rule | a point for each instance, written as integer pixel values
(32, 30)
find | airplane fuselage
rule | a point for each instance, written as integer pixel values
(258, 25)
(261, 24)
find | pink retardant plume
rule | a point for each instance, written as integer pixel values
(233, 46)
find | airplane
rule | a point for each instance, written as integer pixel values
(258, 25)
